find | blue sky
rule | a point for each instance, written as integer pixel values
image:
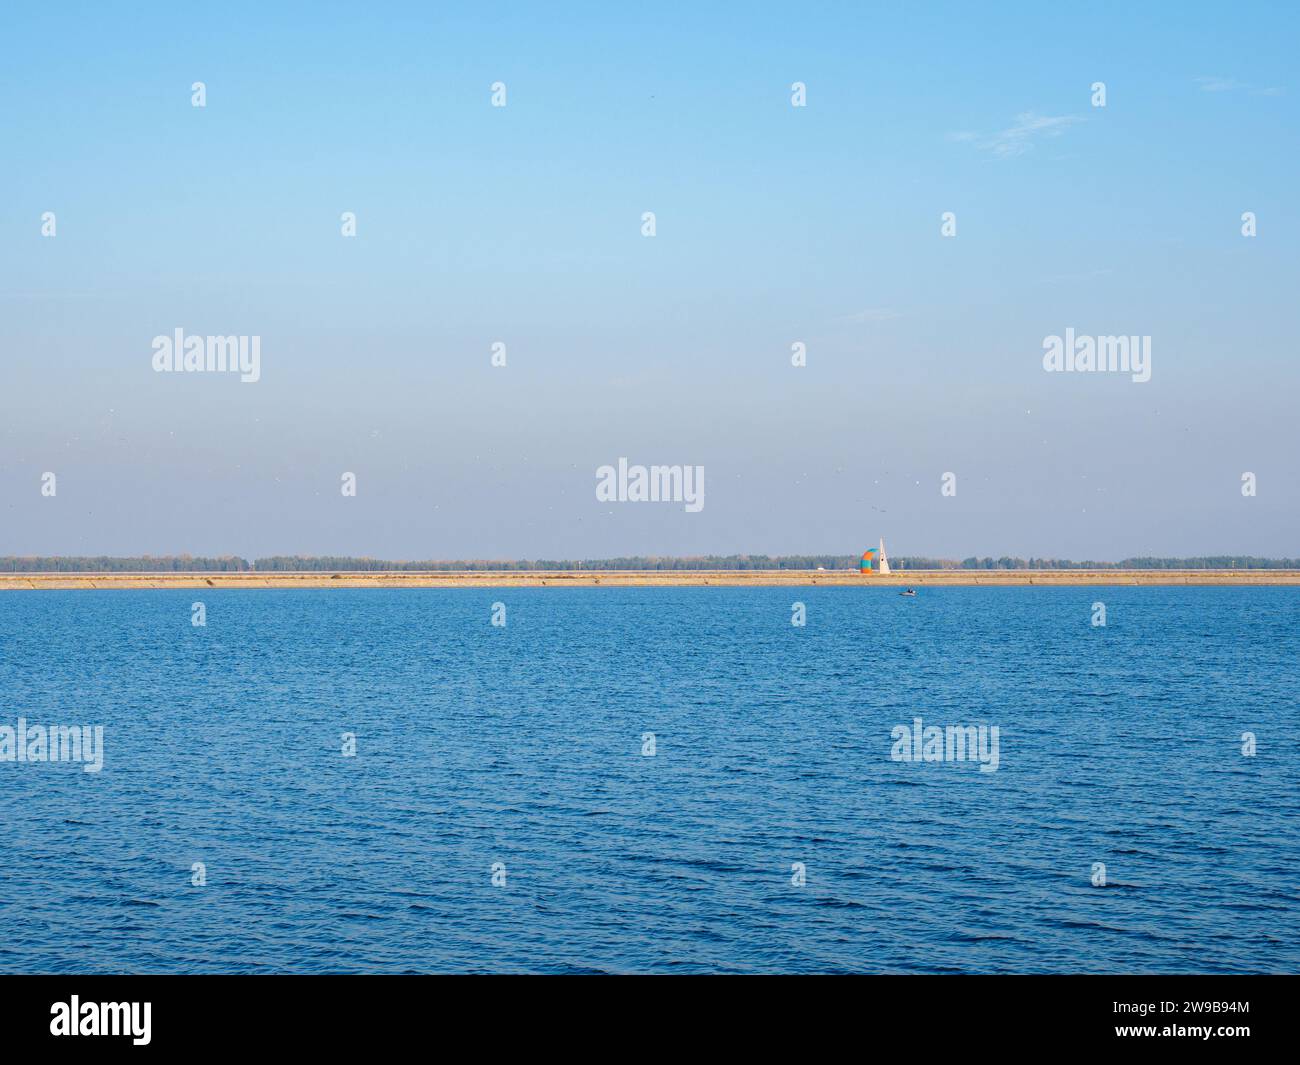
(775, 224)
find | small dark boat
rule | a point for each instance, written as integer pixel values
(911, 592)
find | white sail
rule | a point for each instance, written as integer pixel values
(884, 562)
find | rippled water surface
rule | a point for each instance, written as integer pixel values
(523, 745)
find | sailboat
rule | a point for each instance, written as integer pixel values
(874, 560)
(884, 568)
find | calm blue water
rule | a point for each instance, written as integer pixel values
(523, 745)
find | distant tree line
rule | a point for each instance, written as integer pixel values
(108, 564)
(652, 562)
(1146, 562)
(342, 563)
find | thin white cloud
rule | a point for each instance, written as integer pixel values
(1019, 137)
(1216, 84)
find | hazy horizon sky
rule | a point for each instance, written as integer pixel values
(775, 224)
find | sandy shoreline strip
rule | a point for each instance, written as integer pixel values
(648, 579)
